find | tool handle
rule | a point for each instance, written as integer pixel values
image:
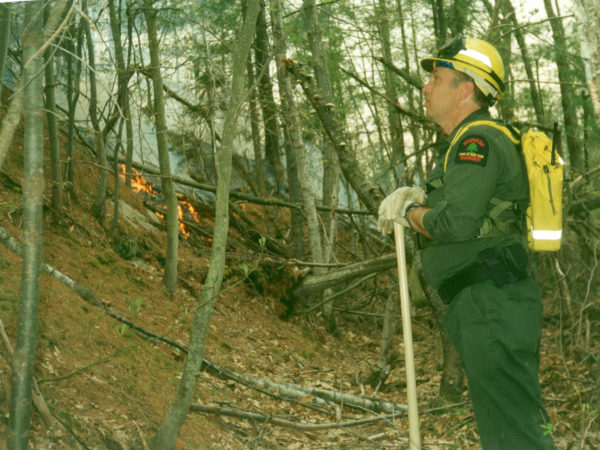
(409, 359)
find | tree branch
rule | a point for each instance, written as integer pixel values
(241, 414)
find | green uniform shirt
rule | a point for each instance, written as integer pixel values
(482, 164)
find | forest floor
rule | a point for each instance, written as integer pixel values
(110, 387)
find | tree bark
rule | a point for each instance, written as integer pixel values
(324, 90)
(33, 189)
(293, 131)
(533, 90)
(330, 177)
(74, 46)
(123, 75)
(11, 121)
(165, 438)
(395, 124)
(5, 20)
(588, 17)
(265, 93)
(566, 91)
(98, 208)
(439, 21)
(254, 126)
(415, 130)
(55, 154)
(170, 275)
(316, 283)
(384, 366)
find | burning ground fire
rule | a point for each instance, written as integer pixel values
(140, 184)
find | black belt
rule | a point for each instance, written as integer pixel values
(502, 266)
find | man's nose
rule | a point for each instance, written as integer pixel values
(426, 87)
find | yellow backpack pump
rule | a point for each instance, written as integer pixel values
(545, 170)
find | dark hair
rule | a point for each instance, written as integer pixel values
(480, 98)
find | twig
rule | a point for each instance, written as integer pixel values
(239, 413)
(267, 418)
(583, 176)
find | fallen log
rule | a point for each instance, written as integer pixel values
(313, 284)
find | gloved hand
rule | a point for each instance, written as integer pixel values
(393, 207)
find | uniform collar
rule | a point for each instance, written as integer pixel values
(480, 114)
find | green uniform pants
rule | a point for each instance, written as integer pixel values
(497, 332)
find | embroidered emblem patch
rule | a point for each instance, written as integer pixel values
(472, 150)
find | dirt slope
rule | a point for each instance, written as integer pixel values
(111, 387)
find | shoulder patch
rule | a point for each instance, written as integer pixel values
(472, 149)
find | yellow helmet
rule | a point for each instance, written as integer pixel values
(476, 58)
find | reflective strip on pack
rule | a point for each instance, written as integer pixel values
(546, 235)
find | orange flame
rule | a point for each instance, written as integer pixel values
(191, 209)
(140, 184)
(184, 232)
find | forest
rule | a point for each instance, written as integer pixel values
(190, 255)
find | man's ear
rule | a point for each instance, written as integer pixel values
(466, 88)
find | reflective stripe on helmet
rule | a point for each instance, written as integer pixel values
(478, 56)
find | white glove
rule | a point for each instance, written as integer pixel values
(393, 207)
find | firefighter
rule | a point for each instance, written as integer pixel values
(473, 249)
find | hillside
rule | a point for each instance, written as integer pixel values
(110, 386)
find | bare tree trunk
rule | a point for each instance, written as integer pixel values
(383, 367)
(254, 121)
(55, 156)
(13, 114)
(33, 189)
(165, 438)
(535, 95)
(5, 20)
(439, 21)
(294, 143)
(170, 276)
(588, 17)
(395, 124)
(330, 163)
(265, 93)
(566, 91)
(123, 75)
(10, 122)
(325, 91)
(294, 129)
(295, 194)
(415, 130)
(127, 106)
(98, 208)
(74, 46)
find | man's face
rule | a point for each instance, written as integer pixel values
(441, 95)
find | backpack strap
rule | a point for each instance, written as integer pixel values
(492, 224)
(510, 134)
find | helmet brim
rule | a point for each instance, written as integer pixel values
(428, 64)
